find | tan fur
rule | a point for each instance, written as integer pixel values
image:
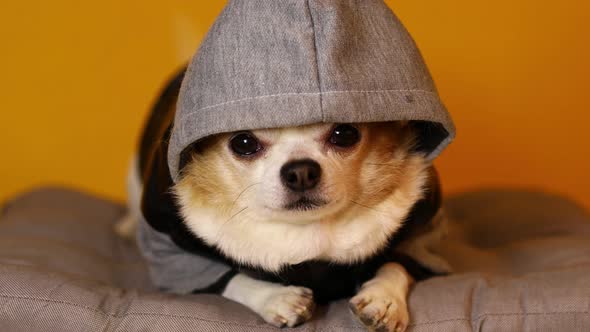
(234, 204)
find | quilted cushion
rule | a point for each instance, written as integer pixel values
(522, 260)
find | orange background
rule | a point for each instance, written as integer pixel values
(78, 78)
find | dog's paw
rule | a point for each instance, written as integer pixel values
(288, 306)
(380, 312)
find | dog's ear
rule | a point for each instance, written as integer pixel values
(429, 135)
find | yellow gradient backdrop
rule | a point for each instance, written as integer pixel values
(78, 78)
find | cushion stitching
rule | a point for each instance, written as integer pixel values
(135, 313)
(531, 313)
(501, 314)
(131, 313)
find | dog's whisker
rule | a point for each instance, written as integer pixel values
(242, 192)
(235, 215)
(245, 189)
(367, 207)
(220, 233)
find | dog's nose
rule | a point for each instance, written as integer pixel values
(301, 175)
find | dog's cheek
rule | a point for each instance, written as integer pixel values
(206, 182)
(381, 167)
(339, 177)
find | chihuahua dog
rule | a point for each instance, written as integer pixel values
(303, 215)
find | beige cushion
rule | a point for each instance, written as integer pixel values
(63, 269)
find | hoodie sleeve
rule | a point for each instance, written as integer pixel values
(178, 261)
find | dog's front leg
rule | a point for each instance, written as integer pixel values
(381, 303)
(279, 305)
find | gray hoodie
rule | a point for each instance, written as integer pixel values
(271, 63)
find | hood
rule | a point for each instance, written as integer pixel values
(269, 64)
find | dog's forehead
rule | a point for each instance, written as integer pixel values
(309, 131)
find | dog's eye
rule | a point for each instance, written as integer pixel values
(345, 136)
(245, 144)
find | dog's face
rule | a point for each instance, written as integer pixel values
(322, 173)
(301, 174)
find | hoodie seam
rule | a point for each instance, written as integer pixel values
(317, 60)
(237, 101)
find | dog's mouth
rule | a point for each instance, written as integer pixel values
(305, 204)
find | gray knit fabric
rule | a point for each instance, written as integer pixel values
(172, 269)
(269, 63)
